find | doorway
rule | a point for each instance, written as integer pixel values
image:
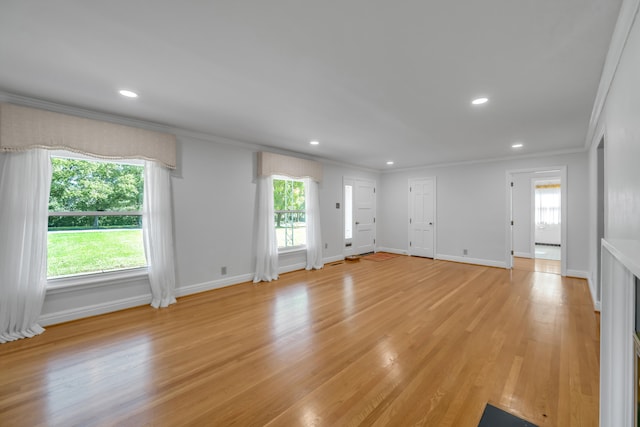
(536, 230)
(359, 216)
(422, 203)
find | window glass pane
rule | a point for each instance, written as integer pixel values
(87, 243)
(289, 211)
(348, 212)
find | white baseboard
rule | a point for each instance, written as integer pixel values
(467, 260)
(214, 284)
(93, 310)
(523, 254)
(331, 259)
(391, 250)
(579, 274)
(292, 267)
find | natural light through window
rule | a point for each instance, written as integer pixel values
(95, 217)
(289, 211)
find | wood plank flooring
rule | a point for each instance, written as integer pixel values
(408, 341)
(537, 264)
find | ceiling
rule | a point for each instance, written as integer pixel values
(371, 80)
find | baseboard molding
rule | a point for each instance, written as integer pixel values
(523, 254)
(93, 310)
(214, 284)
(579, 274)
(467, 260)
(331, 259)
(391, 250)
(292, 267)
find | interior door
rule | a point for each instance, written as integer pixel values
(364, 216)
(422, 217)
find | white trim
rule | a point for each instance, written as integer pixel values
(177, 131)
(335, 258)
(626, 18)
(392, 250)
(564, 182)
(476, 261)
(490, 160)
(213, 284)
(93, 310)
(580, 274)
(523, 254)
(292, 267)
(435, 211)
(77, 282)
(626, 252)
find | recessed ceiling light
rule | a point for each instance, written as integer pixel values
(517, 145)
(314, 142)
(128, 93)
(480, 101)
(389, 162)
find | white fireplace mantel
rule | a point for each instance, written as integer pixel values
(620, 266)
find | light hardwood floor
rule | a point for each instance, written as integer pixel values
(537, 264)
(408, 341)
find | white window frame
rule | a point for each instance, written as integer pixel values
(95, 278)
(296, 248)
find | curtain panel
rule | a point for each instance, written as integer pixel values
(314, 233)
(24, 128)
(25, 182)
(157, 234)
(266, 243)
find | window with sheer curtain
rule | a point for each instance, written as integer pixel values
(547, 204)
(27, 137)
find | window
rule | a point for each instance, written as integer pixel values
(547, 204)
(289, 211)
(95, 217)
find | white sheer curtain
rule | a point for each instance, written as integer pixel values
(157, 231)
(314, 233)
(547, 202)
(25, 181)
(266, 243)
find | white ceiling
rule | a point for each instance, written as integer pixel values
(372, 80)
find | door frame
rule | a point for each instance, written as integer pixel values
(532, 231)
(350, 251)
(435, 212)
(563, 214)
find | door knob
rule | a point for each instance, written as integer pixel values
(357, 223)
(430, 223)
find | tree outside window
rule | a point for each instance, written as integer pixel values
(95, 218)
(289, 211)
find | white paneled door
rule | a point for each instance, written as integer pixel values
(422, 198)
(363, 219)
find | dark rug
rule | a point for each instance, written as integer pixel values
(495, 417)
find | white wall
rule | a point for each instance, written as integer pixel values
(471, 209)
(522, 215)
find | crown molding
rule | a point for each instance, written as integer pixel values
(626, 19)
(489, 160)
(159, 127)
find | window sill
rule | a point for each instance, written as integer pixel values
(94, 280)
(294, 250)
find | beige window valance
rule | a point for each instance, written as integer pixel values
(23, 128)
(293, 167)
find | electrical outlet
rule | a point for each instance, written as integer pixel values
(465, 252)
(223, 270)
(326, 245)
(337, 205)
